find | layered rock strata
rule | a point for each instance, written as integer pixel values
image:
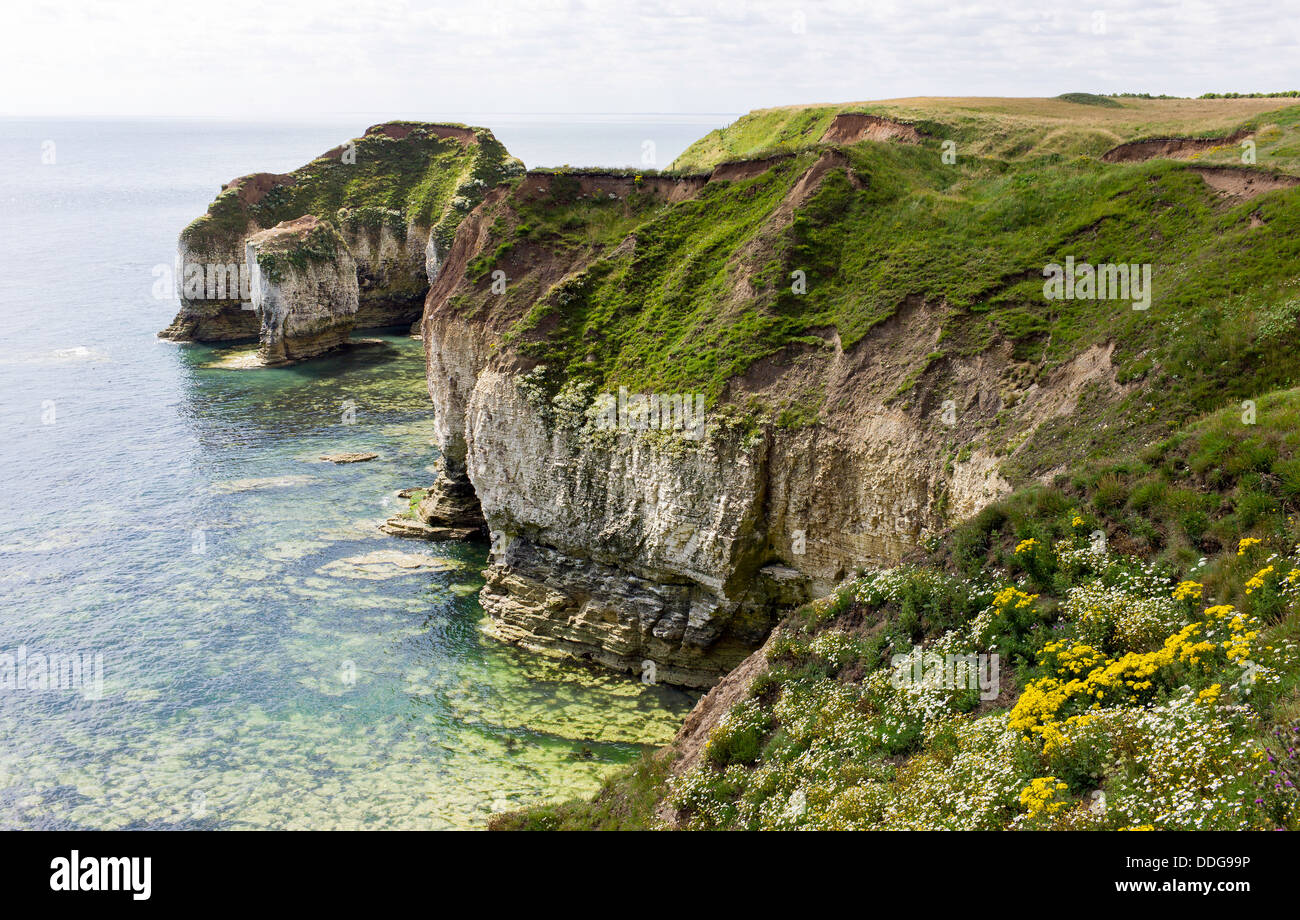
(305, 297)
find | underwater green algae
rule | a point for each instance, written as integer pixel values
(271, 660)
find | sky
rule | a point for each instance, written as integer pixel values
(277, 59)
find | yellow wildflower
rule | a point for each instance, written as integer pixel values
(1256, 581)
(1025, 546)
(1040, 796)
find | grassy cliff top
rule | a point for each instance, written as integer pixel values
(620, 287)
(399, 172)
(1010, 128)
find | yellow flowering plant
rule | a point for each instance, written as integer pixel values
(1036, 557)
(1011, 608)
(1259, 579)
(1080, 680)
(1043, 796)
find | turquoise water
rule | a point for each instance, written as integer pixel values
(269, 658)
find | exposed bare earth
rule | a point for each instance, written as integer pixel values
(1241, 184)
(852, 127)
(1169, 148)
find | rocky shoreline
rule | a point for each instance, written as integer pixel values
(661, 553)
(618, 534)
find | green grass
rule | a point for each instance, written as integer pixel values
(757, 133)
(662, 314)
(1090, 99)
(686, 297)
(1193, 494)
(421, 178)
(1009, 129)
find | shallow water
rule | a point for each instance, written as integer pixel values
(270, 659)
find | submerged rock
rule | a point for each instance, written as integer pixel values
(386, 563)
(232, 486)
(348, 458)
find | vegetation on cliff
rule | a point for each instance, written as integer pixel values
(1141, 587)
(808, 254)
(396, 174)
(276, 255)
(1146, 616)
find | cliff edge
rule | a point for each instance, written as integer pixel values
(689, 401)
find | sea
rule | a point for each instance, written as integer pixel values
(200, 624)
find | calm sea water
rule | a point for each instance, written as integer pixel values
(269, 659)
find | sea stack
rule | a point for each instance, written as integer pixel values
(305, 291)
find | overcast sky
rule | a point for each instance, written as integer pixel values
(395, 58)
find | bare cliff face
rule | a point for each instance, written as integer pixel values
(390, 270)
(613, 545)
(670, 550)
(305, 297)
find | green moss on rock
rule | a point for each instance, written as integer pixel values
(427, 175)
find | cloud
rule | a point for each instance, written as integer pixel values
(250, 58)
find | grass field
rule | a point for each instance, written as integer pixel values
(1007, 128)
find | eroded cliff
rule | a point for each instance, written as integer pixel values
(394, 195)
(306, 294)
(866, 326)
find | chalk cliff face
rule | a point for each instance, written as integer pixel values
(626, 547)
(390, 267)
(655, 551)
(213, 280)
(305, 297)
(395, 195)
(614, 545)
